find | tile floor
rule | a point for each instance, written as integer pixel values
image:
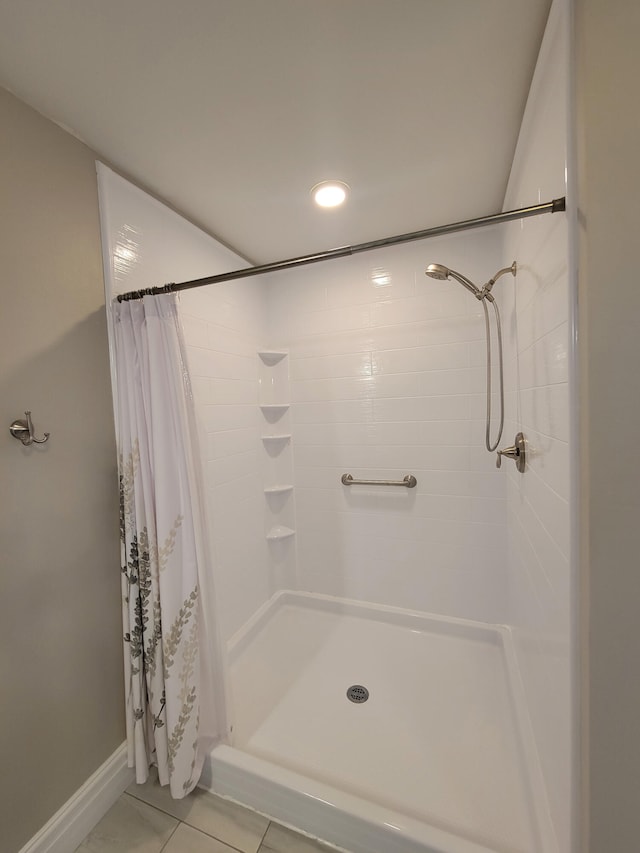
(147, 820)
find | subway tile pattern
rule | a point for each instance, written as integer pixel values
(389, 380)
(224, 328)
(537, 347)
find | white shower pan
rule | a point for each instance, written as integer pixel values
(438, 759)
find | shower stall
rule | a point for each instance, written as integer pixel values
(399, 660)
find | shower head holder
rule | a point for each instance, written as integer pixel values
(486, 290)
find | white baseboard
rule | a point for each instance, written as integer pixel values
(77, 817)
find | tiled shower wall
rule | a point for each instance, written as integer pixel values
(537, 358)
(224, 328)
(146, 244)
(387, 378)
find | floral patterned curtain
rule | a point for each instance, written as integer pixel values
(172, 714)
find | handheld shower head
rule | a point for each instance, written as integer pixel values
(442, 273)
(483, 295)
(437, 271)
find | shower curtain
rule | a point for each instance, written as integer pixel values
(173, 715)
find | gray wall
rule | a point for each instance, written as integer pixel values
(608, 70)
(60, 651)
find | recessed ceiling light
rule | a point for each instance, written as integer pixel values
(330, 193)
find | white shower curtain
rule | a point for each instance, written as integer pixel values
(173, 714)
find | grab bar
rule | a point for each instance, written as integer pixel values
(409, 481)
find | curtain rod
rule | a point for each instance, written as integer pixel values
(555, 206)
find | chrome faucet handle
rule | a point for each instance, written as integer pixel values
(516, 452)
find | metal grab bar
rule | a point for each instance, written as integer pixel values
(409, 481)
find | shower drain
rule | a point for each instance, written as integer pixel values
(357, 693)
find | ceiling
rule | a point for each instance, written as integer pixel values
(230, 110)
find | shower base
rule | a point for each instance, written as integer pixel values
(438, 759)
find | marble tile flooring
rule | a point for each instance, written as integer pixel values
(147, 820)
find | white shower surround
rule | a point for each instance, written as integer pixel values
(388, 379)
(542, 587)
(440, 758)
(458, 487)
(401, 415)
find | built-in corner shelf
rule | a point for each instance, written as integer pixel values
(272, 412)
(278, 489)
(277, 439)
(272, 356)
(279, 505)
(280, 532)
(274, 408)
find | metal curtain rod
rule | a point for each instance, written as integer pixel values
(555, 206)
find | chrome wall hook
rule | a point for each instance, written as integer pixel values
(23, 431)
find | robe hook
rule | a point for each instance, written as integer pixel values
(23, 430)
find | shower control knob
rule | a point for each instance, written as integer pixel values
(511, 452)
(515, 452)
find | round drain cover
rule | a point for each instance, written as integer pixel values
(357, 693)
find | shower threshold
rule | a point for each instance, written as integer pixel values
(439, 758)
